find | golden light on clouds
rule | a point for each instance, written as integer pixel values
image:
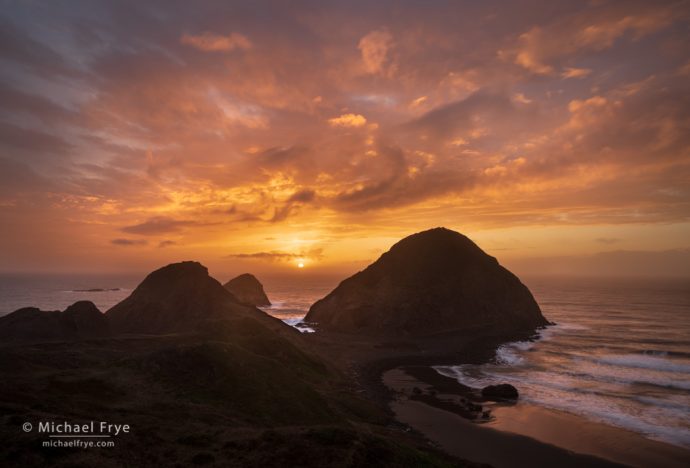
(227, 137)
(348, 120)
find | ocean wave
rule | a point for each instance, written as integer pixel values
(673, 431)
(643, 361)
(296, 322)
(592, 369)
(564, 378)
(664, 353)
(660, 380)
(510, 354)
(558, 391)
(662, 403)
(569, 326)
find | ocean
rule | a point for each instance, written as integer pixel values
(290, 296)
(619, 354)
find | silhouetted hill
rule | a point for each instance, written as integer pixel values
(241, 388)
(79, 321)
(248, 290)
(433, 281)
(177, 298)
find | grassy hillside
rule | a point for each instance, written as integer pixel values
(236, 394)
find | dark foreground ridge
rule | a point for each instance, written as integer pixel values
(202, 380)
(81, 320)
(248, 290)
(436, 281)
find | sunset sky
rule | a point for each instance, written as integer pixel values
(254, 135)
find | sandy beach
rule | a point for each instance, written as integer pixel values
(519, 434)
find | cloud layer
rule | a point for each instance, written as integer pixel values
(208, 128)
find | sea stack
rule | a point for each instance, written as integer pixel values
(248, 290)
(435, 281)
(81, 320)
(176, 298)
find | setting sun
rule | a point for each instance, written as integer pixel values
(300, 265)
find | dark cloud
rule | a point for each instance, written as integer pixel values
(18, 101)
(17, 178)
(462, 115)
(166, 243)
(608, 240)
(397, 181)
(279, 256)
(297, 199)
(157, 225)
(272, 256)
(302, 196)
(291, 157)
(128, 242)
(19, 47)
(13, 136)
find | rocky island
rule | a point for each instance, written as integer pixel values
(248, 290)
(436, 281)
(178, 298)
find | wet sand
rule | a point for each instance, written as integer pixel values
(516, 435)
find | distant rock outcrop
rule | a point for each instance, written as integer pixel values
(81, 320)
(248, 290)
(177, 298)
(430, 282)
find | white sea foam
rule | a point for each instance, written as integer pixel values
(509, 354)
(296, 322)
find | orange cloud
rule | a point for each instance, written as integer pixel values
(571, 72)
(374, 48)
(542, 47)
(418, 101)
